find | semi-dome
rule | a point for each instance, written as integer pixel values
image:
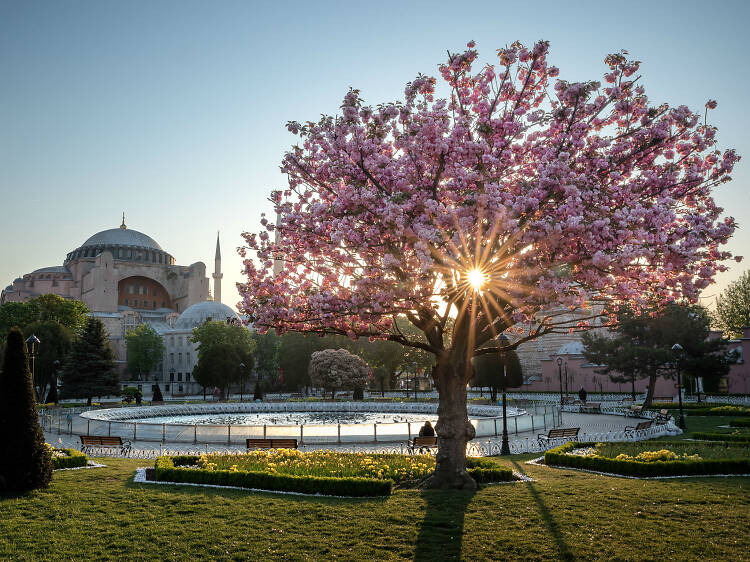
(571, 348)
(198, 313)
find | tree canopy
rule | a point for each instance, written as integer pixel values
(641, 346)
(222, 348)
(145, 350)
(733, 307)
(56, 340)
(89, 368)
(520, 195)
(337, 369)
(498, 371)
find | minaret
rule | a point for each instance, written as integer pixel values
(217, 272)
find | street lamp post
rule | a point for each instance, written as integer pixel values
(242, 379)
(504, 447)
(32, 342)
(559, 373)
(679, 351)
(566, 378)
(171, 381)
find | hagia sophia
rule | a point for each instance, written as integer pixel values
(126, 278)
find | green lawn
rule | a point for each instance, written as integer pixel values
(102, 514)
(693, 423)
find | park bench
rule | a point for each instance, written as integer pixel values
(422, 444)
(663, 417)
(275, 443)
(634, 411)
(630, 431)
(570, 433)
(591, 408)
(91, 442)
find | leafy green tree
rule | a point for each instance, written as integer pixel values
(145, 349)
(733, 307)
(70, 313)
(499, 371)
(25, 461)
(55, 341)
(641, 346)
(89, 368)
(295, 351)
(13, 314)
(266, 354)
(222, 348)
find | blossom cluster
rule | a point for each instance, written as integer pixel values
(562, 192)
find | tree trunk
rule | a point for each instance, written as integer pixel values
(494, 395)
(453, 428)
(88, 401)
(632, 381)
(650, 392)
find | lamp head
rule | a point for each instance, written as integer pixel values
(559, 361)
(31, 343)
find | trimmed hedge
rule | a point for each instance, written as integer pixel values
(171, 469)
(705, 409)
(740, 422)
(485, 471)
(73, 460)
(558, 457)
(742, 438)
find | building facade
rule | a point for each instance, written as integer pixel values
(126, 278)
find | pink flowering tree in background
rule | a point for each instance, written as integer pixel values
(518, 195)
(336, 369)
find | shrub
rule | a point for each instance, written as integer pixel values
(25, 461)
(485, 471)
(67, 458)
(683, 467)
(740, 422)
(737, 437)
(166, 471)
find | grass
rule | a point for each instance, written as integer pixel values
(695, 423)
(102, 514)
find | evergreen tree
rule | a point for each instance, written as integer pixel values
(488, 371)
(90, 366)
(258, 394)
(733, 307)
(25, 461)
(157, 397)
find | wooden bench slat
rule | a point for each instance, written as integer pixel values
(272, 443)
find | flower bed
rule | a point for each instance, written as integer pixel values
(649, 458)
(314, 472)
(67, 458)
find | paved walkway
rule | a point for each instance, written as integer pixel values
(589, 423)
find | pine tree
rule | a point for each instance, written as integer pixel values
(25, 461)
(90, 366)
(157, 397)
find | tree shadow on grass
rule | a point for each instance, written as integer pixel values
(441, 533)
(549, 521)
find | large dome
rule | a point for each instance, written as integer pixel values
(121, 237)
(198, 313)
(124, 244)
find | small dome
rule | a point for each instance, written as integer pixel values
(121, 237)
(198, 313)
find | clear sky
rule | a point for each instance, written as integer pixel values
(175, 111)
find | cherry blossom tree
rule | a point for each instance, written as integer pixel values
(516, 198)
(336, 369)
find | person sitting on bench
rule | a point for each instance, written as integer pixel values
(427, 430)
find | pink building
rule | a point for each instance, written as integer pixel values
(576, 372)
